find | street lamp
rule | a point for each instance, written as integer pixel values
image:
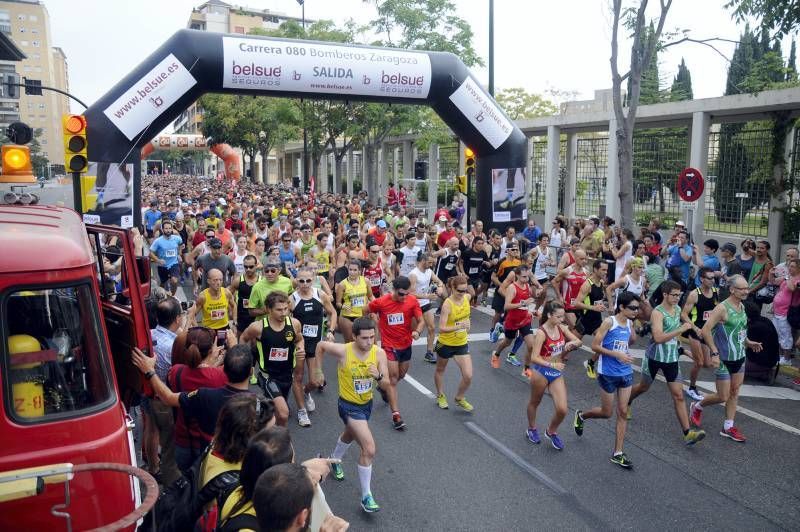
(305, 132)
(491, 47)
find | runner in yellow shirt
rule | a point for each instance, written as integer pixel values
(353, 295)
(453, 343)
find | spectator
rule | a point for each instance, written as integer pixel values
(787, 296)
(708, 258)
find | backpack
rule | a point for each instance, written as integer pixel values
(180, 506)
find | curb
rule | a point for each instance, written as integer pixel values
(790, 371)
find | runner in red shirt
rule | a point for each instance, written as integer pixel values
(396, 313)
(519, 307)
(571, 279)
(373, 272)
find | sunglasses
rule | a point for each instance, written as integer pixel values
(633, 307)
(271, 270)
(304, 281)
(461, 290)
(403, 293)
(287, 239)
(246, 267)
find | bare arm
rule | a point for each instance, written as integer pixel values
(199, 303)
(327, 305)
(147, 364)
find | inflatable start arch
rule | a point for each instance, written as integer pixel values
(192, 63)
(233, 165)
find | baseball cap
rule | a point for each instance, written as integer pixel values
(381, 224)
(272, 263)
(443, 218)
(680, 223)
(215, 243)
(729, 247)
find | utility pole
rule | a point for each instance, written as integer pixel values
(491, 47)
(304, 184)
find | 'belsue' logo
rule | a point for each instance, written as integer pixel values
(396, 78)
(253, 69)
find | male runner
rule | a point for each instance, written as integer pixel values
(395, 313)
(725, 333)
(359, 362)
(518, 303)
(662, 355)
(216, 304)
(591, 299)
(279, 342)
(614, 371)
(166, 251)
(699, 304)
(569, 281)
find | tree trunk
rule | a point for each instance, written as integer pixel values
(264, 165)
(625, 166)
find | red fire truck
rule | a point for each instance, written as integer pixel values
(72, 307)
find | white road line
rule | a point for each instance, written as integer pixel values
(516, 459)
(419, 386)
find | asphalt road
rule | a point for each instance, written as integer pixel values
(452, 470)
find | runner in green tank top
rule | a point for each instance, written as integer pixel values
(662, 355)
(725, 333)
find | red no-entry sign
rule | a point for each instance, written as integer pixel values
(690, 184)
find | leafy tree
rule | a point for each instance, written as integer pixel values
(682, 84)
(519, 104)
(783, 16)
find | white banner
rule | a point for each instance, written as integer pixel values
(273, 65)
(482, 112)
(140, 105)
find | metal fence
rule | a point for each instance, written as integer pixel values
(737, 194)
(791, 225)
(591, 167)
(658, 158)
(539, 175)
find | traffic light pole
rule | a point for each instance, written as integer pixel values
(43, 87)
(76, 193)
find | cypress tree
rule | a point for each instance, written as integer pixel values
(682, 84)
(791, 65)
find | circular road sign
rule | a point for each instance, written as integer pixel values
(690, 184)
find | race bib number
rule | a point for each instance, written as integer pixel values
(396, 319)
(246, 303)
(473, 270)
(362, 386)
(572, 302)
(171, 253)
(217, 314)
(375, 281)
(557, 349)
(278, 354)
(742, 336)
(620, 346)
(310, 331)
(449, 266)
(358, 301)
(461, 325)
(706, 315)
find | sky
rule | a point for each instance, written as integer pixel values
(539, 44)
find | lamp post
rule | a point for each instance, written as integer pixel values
(303, 103)
(491, 47)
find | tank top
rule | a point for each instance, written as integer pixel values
(238, 261)
(323, 260)
(305, 246)
(634, 288)
(540, 267)
(355, 382)
(215, 311)
(555, 238)
(552, 347)
(459, 313)
(616, 339)
(243, 302)
(595, 295)
(619, 271)
(518, 317)
(375, 277)
(409, 260)
(571, 286)
(702, 309)
(473, 263)
(355, 296)
(730, 336)
(310, 313)
(667, 351)
(276, 350)
(446, 266)
(287, 256)
(423, 283)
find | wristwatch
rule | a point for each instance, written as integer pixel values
(379, 377)
(149, 375)
(714, 354)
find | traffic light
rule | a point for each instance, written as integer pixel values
(469, 167)
(88, 192)
(75, 157)
(16, 162)
(461, 183)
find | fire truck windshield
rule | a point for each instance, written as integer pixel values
(54, 364)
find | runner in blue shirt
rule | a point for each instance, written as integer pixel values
(165, 251)
(151, 218)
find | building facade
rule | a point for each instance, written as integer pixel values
(27, 23)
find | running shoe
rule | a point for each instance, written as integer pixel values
(512, 359)
(591, 372)
(397, 422)
(621, 460)
(734, 434)
(629, 414)
(369, 505)
(693, 436)
(527, 373)
(463, 403)
(555, 440)
(533, 436)
(337, 471)
(495, 360)
(783, 361)
(577, 423)
(441, 400)
(695, 414)
(302, 418)
(310, 404)
(694, 394)
(383, 394)
(321, 387)
(430, 357)
(494, 334)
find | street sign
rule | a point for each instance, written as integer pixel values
(690, 184)
(742, 195)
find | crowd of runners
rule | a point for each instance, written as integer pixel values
(280, 279)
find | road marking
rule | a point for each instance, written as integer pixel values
(516, 459)
(419, 386)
